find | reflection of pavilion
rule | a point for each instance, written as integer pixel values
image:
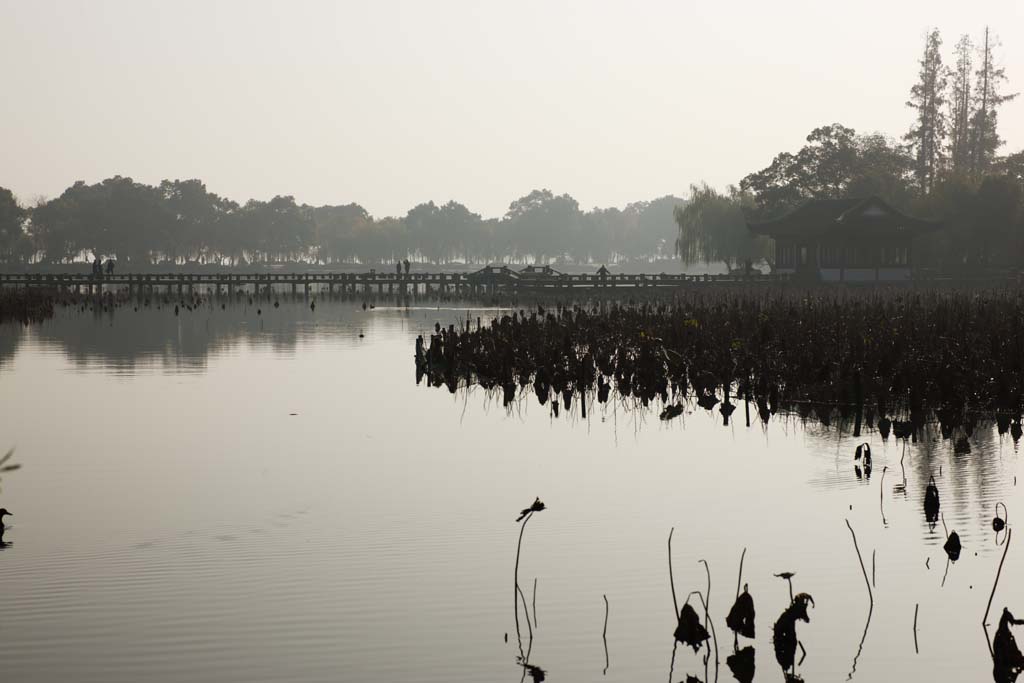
(845, 240)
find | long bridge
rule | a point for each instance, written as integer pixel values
(487, 280)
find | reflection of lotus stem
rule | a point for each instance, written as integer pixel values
(516, 591)
(535, 601)
(528, 625)
(871, 605)
(916, 605)
(984, 619)
(860, 559)
(881, 499)
(707, 616)
(671, 581)
(604, 635)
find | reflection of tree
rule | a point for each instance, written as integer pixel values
(125, 339)
(10, 340)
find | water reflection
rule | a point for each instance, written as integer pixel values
(3, 513)
(1007, 658)
(741, 664)
(417, 522)
(127, 339)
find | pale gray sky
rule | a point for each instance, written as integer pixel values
(389, 102)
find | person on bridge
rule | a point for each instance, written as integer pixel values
(97, 267)
(406, 264)
(398, 267)
(110, 266)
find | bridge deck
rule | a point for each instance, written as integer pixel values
(488, 280)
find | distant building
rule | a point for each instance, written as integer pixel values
(845, 240)
(539, 272)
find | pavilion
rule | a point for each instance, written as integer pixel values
(845, 240)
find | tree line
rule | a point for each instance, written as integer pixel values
(181, 221)
(947, 166)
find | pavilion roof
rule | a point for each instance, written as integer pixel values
(852, 216)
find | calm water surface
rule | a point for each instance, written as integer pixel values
(226, 496)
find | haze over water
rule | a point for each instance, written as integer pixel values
(226, 496)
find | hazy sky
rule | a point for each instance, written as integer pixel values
(389, 103)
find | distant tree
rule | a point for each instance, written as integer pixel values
(928, 99)
(440, 232)
(984, 137)
(116, 217)
(464, 227)
(277, 229)
(335, 228)
(883, 168)
(981, 222)
(14, 243)
(542, 225)
(1013, 166)
(194, 218)
(998, 209)
(961, 105)
(835, 162)
(712, 228)
(602, 235)
(655, 227)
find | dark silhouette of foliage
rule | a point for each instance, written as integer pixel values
(181, 222)
(689, 630)
(1008, 662)
(741, 617)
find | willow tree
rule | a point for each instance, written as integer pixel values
(712, 228)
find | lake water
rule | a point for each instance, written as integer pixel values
(222, 495)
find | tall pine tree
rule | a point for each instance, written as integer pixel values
(961, 107)
(928, 98)
(983, 135)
